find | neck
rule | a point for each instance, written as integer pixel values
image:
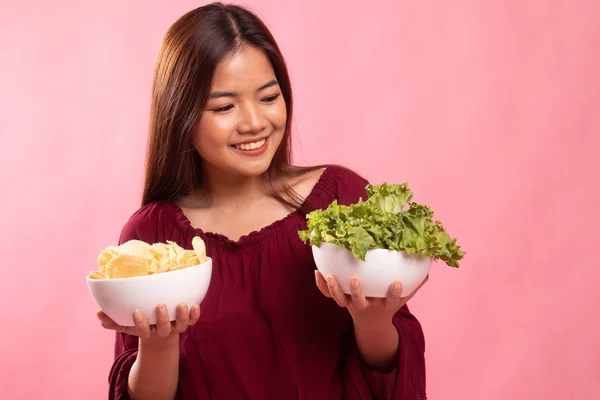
(224, 189)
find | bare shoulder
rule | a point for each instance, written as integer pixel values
(303, 184)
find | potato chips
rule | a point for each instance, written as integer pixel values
(138, 258)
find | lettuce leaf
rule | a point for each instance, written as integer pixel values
(388, 219)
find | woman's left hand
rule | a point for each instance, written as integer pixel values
(365, 311)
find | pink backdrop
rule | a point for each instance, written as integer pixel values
(490, 110)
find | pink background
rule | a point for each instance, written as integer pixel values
(490, 110)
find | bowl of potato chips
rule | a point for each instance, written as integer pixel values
(139, 275)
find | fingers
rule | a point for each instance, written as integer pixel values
(336, 292)
(163, 323)
(394, 299)
(162, 328)
(106, 321)
(142, 326)
(359, 300)
(330, 288)
(194, 314)
(322, 284)
(182, 319)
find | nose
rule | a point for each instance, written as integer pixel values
(252, 119)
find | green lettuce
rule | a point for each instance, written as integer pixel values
(388, 219)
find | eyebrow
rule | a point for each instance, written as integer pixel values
(215, 95)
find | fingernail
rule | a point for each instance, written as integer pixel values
(183, 309)
(162, 311)
(330, 281)
(354, 283)
(137, 316)
(397, 289)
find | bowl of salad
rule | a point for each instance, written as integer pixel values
(380, 240)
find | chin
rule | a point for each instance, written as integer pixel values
(251, 170)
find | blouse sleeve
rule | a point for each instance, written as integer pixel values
(406, 381)
(143, 225)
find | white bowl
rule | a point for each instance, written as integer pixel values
(379, 270)
(119, 298)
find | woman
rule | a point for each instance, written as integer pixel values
(219, 166)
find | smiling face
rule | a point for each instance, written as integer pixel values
(245, 116)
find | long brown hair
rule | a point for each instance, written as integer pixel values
(190, 52)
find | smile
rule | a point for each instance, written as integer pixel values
(251, 146)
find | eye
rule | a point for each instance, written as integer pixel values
(223, 109)
(271, 99)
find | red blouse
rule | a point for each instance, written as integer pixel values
(266, 331)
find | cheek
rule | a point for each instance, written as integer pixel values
(211, 132)
(278, 116)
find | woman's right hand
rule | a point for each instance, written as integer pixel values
(162, 329)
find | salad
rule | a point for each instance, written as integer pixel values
(388, 219)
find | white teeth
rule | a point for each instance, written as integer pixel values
(250, 146)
